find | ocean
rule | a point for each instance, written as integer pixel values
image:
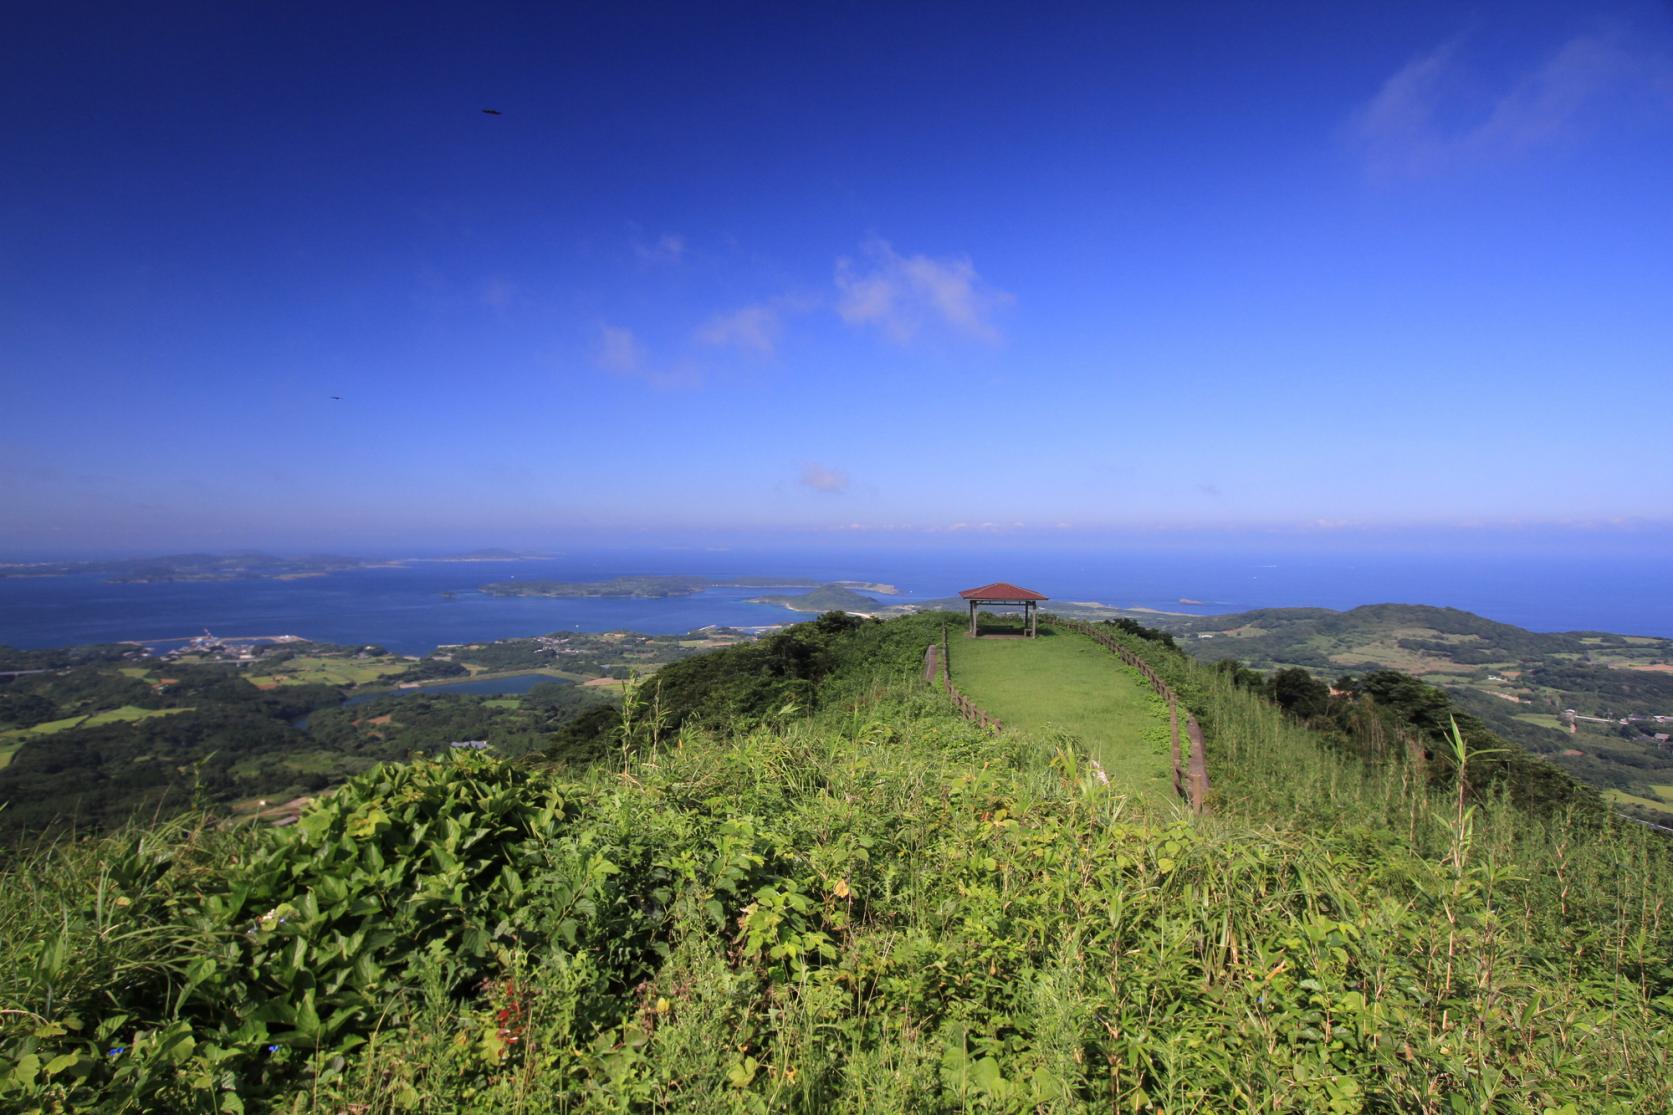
(404, 608)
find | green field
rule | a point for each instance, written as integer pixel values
(316, 669)
(1634, 799)
(1062, 682)
(14, 738)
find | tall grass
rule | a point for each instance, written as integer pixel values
(875, 907)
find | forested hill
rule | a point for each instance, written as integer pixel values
(799, 881)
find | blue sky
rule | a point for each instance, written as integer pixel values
(888, 271)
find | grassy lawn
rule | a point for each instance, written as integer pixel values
(14, 738)
(1066, 682)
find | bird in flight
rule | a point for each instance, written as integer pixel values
(492, 112)
(336, 396)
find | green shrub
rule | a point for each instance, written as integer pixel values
(870, 907)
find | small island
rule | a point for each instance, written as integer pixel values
(825, 598)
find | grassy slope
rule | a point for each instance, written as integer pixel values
(1062, 683)
(875, 908)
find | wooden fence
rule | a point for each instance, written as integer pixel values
(935, 663)
(1190, 766)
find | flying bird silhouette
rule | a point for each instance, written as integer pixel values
(492, 112)
(336, 396)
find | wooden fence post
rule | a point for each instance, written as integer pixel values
(1173, 728)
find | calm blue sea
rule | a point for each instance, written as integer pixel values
(405, 610)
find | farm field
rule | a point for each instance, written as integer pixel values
(14, 738)
(1063, 682)
(317, 669)
(1635, 799)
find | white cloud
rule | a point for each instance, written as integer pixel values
(1436, 112)
(753, 328)
(619, 350)
(830, 481)
(899, 294)
(669, 248)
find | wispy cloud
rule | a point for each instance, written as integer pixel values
(753, 328)
(668, 248)
(619, 350)
(1437, 111)
(830, 481)
(901, 294)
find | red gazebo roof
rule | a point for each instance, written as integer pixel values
(1001, 591)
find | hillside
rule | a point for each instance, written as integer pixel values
(1522, 683)
(804, 884)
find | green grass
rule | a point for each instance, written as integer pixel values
(1544, 720)
(1065, 683)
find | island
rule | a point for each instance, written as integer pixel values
(662, 587)
(834, 597)
(197, 567)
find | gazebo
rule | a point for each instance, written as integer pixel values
(1009, 595)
